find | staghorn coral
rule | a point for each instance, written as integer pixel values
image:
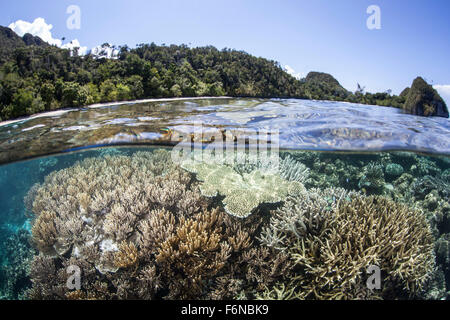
(195, 251)
(90, 212)
(293, 170)
(333, 245)
(300, 215)
(243, 193)
(279, 291)
(252, 268)
(266, 266)
(127, 256)
(44, 230)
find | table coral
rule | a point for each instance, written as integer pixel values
(242, 192)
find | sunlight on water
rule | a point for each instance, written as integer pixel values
(302, 124)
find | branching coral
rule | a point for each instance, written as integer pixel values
(334, 245)
(91, 212)
(293, 170)
(301, 215)
(127, 256)
(139, 228)
(44, 230)
(195, 252)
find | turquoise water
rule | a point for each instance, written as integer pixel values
(142, 224)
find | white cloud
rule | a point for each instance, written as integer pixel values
(38, 28)
(42, 30)
(105, 51)
(444, 91)
(292, 72)
(75, 44)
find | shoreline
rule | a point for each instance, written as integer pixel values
(60, 112)
(100, 105)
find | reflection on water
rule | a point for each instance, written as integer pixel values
(302, 124)
(142, 227)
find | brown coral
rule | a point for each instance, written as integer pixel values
(334, 247)
(127, 256)
(195, 252)
(44, 230)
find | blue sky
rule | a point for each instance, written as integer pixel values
(307, 35)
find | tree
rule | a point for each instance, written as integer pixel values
(135, 83)
(123, 92)
(22, 100)
(360, 89)
(73, 95)
(176, 91)
(108, 91)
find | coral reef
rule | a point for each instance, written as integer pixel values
(424, 166)
(139, 228)
(15, 271)
(89, 212)
(372, 179)
(393, 170)
(243, 192)
(334, 242)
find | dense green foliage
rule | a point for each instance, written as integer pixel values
(9, 41)
(36, 77)
(423, 100)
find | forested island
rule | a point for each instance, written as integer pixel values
(37, 77)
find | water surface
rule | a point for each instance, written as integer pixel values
(302, 124)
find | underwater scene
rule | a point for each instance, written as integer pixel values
(265, 199)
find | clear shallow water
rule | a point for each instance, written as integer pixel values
(407, 180)
(121, 213)
(302, 124)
